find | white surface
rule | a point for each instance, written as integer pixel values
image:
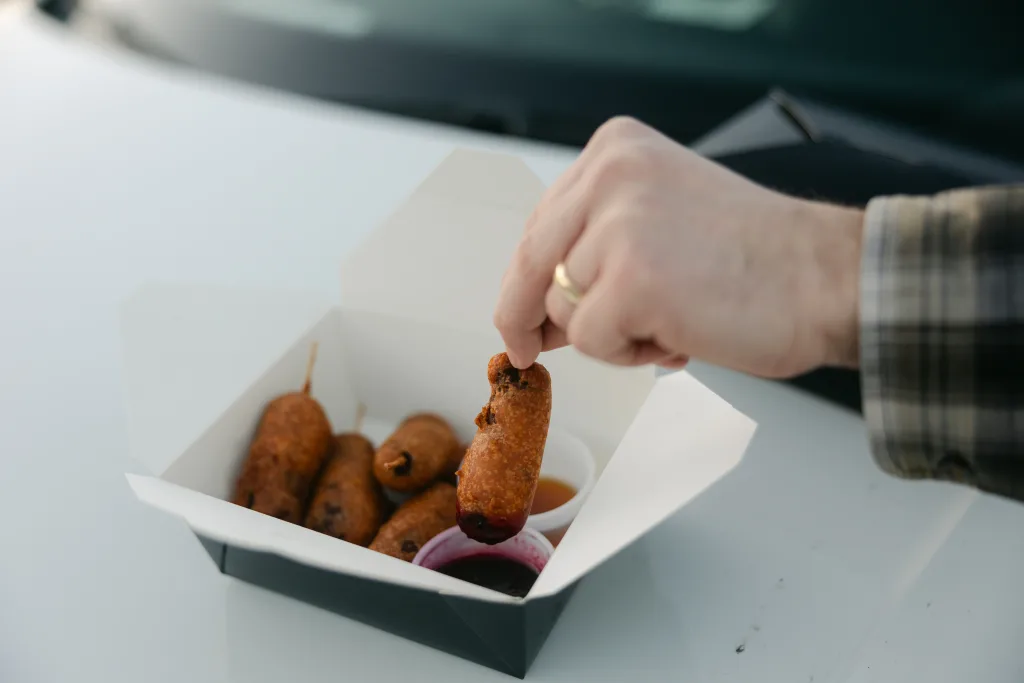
(115, 174)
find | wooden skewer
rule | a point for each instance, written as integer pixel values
(360, 416)
(309, 368)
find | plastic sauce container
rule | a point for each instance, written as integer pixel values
(510, 567)
(569, 460)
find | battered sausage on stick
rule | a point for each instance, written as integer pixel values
(422, 449)
(498, 476)
(292, 440)
(348, 503)
(416, 521)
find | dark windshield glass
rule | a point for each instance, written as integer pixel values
(553, 69)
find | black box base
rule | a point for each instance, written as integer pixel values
(504, 637)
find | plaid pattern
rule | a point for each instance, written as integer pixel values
(942, 336)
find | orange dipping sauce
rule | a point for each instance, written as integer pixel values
(551, 493)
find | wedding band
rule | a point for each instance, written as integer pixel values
(569, 288)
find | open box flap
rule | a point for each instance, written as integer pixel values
(225, 522)
(189, 351)
(441, 255)
(684, 439)
(211, 462)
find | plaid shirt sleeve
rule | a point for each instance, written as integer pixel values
(942, 336)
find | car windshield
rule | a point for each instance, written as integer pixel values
(553, 69)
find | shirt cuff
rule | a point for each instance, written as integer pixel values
(941, 332)
(913, 285)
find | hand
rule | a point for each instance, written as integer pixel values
(676, 257)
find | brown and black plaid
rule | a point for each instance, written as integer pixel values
(942, 336)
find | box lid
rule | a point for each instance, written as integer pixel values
(683, 440)
(441, 255)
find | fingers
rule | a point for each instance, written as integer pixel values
(553, 337)
(604, 327)
(582, 265)
(677, 362)
(609, 327)
(559, 309)
(627, 352)
(644, 353)
(551, 232)
(521, 315)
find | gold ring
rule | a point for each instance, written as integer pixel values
(569, 288)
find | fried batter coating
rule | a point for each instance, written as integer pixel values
(498, 476)
(416, 521)
(290, 446)
(423, 449)
(348, 502)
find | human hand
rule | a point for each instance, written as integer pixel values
(677, 256)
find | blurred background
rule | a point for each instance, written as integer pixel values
(840, 100)
(552, 70)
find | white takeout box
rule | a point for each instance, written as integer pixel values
(413, 332)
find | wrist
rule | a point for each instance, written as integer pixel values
(833, 285)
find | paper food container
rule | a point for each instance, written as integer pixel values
(413, 332)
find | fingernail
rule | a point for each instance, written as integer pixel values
(516, 360)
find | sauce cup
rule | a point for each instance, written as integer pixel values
(529, 547)
(567, 459)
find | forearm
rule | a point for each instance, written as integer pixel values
(942, 336)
